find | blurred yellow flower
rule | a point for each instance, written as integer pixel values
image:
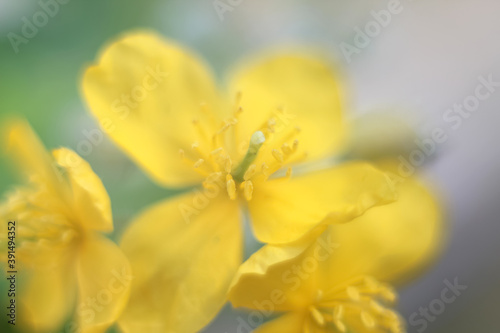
(332, 285)
(160, 104)
(62, 256)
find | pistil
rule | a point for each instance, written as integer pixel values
(256, 141)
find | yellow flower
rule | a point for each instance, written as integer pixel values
(332, 284)
(160, 104)
(60, 252)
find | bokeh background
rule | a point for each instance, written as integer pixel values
(427, 59)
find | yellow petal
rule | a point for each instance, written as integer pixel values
(104, 279)
(283, 210)
(390, 243)
(395, 241)
(90, 199)
(31, 156)
(296, 90)
(146, 92)
(289, 323)
(48, 297)
(184, 253)
(267, 282)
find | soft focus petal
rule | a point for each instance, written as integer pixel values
(266, 281)
(392, 242)
(146, 92)
(48, 296)
(32, 158)
(104, 279)
(305, 87)
(91, 201)
(184, 253)
(284, 210)
(289, 323)
(395, 241)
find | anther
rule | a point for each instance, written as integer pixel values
(265, 169)
(353, 293)
(338, 313)
(388, 294)
(224, 128)
(376, 307)
(231, 187)
(228, 164)
(248, 189)
(250, 172)
(367, 319)
(319, 295)
(278, 155)
(216, 151)
(286, 149)
(317, 316)
(198, 163)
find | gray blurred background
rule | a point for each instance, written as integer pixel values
(427, 59)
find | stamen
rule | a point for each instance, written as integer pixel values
(196, 147)
(190, 163)
(224, 128)
(360, 305)
(317, 316)
(376, 307)
(388, 294)
(265, 169)
(278, 155)
(201, 130)
(250, 172)
(286, 149)
(231, 187)
(271, 124)
(228, 164)
(353, 293)
(248, 189)
(367, 319)
(319, 295)
(198, 163)
(216, 151)
(338, 313)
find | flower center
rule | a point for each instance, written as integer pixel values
(39, 226)
(270, 148)
(354, 303)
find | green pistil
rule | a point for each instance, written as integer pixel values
(256, 141)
